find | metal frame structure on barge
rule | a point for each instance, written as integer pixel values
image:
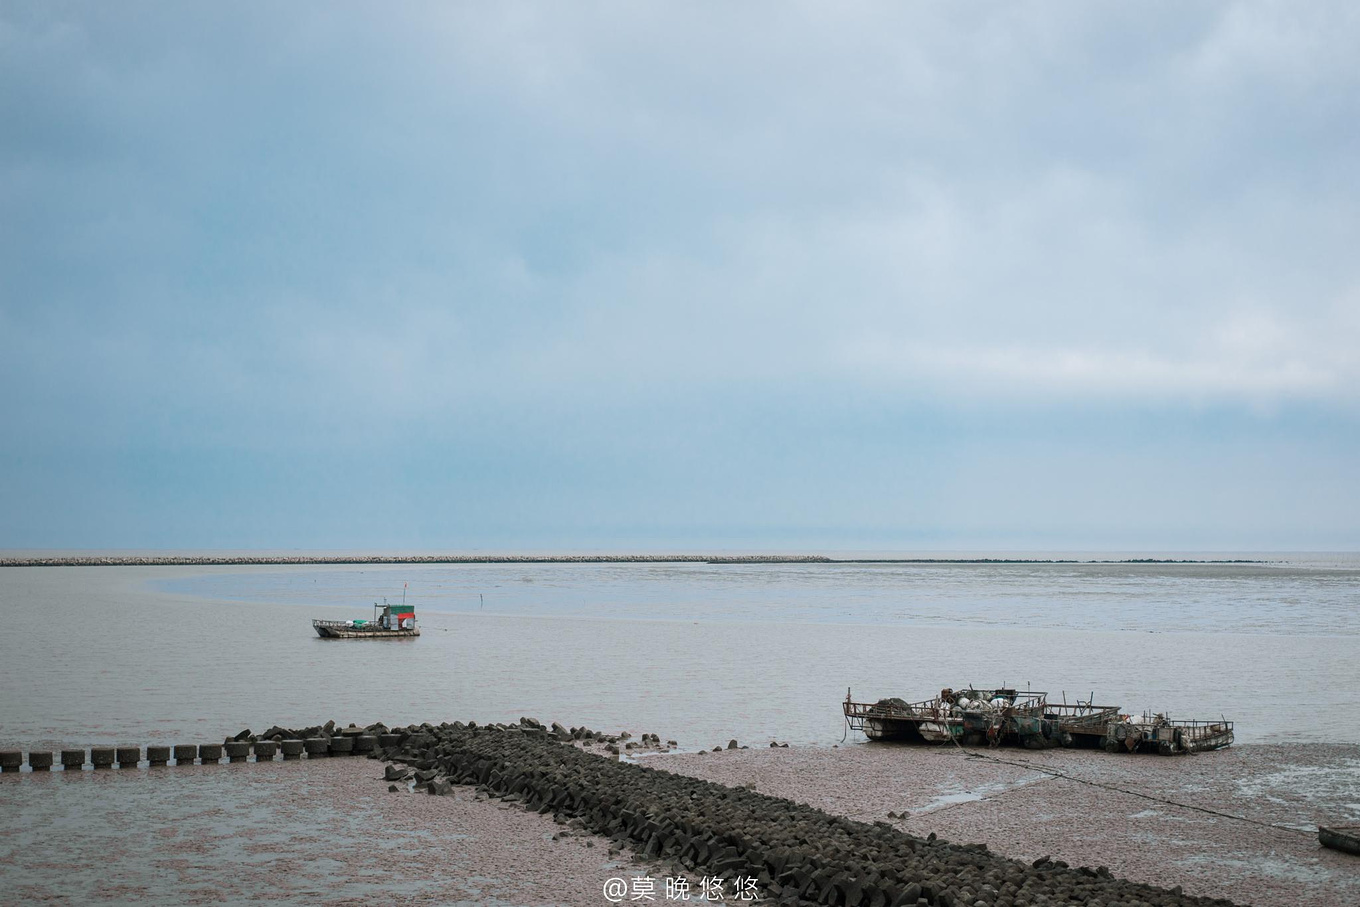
(968, 716)
(1163, 735)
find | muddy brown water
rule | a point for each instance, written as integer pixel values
(693, 652)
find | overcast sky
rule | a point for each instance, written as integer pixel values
(800, 276)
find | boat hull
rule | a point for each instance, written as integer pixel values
(1343, 839)
(891, 729)
(941, 731)
(336, 630)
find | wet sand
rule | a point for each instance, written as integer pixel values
(310, 832)
(329, 831)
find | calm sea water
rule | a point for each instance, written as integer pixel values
(692, 652)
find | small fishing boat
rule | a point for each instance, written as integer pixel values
(1340, 837)
(389, 622)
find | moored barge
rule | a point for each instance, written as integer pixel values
(972, 717)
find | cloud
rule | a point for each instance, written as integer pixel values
(285, 228)
(715, 196)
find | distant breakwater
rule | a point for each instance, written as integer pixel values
(342, 560)
(174, 560)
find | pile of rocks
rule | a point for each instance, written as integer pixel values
(327, 731)
(796, 853)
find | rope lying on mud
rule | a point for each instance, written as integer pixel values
(1055, 773)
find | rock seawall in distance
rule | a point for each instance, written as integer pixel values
(175, 560)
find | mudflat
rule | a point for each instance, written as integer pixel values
(1158, 820)
(1238, 824)
(325, 831)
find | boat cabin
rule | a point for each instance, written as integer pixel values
(395, 617)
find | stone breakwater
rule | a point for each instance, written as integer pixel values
(797, 854)
(315, 742)
(171, 560)
(286, 743)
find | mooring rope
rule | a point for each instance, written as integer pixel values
(1055, 773)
